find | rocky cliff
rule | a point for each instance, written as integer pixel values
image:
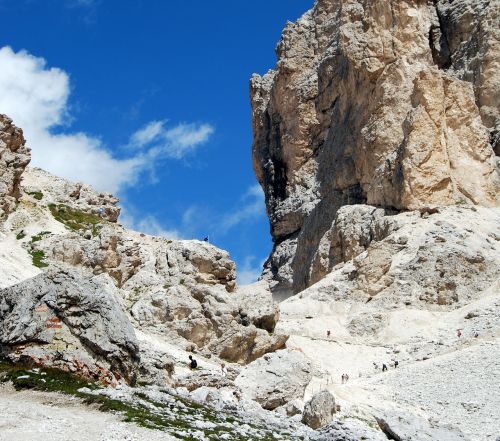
(394, 104)
(14, 157)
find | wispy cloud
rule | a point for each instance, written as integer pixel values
(251, 206)
(175, 142)
(148, 224)
(151, 225)
(249, 272)
(36, 97)
(87, 9)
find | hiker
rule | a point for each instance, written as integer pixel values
(459, 333)
(328, 333)
(476, 334)
(346, 378)
(193, 364)
(396, 363)
(384, 367)
(343, 378)
(375, 366)
(223, 370)
(101, 212)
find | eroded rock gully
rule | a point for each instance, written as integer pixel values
(394, 104)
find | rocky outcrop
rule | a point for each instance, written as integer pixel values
(443, 259)
(392, 104)
(58, 191)
(66, 320)
(319, 410)
(276, 378)
(14, 157)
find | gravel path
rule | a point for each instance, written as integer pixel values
(35, 416)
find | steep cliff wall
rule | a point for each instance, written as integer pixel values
(394, 104)
(14, 157)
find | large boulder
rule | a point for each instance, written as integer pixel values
(244, 344)
(70, 320)
(277, 378)
(403, 426)
(319, 410)
(14, 157)
(256, 305)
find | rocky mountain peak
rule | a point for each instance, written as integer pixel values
(392, 104)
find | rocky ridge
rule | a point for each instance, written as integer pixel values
(78, 287)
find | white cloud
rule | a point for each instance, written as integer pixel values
(148, 225)
(252, 206)
(147, 134)
(174, 142)
(249, 273)
(36, 98)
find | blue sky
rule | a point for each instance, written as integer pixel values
(149, 99)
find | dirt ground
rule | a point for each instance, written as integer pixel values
(32, 415)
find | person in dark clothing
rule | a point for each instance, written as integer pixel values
(384, 367)
(396, 363)
(193, 364)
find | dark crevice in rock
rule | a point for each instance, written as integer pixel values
(438, 42)
(495, 141)
(275, 167)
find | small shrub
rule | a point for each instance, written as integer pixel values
(39, 236)
(37, 257)
(38, 195)
(20, 235)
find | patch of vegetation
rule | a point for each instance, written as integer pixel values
(37, 256)
(182, 281)
(39, 236)
(38, 195)
(175, 418)
(20, 235)
(75, 219)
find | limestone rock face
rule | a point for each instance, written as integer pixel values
(393, 104)
(319, 411)
(14, 157)
(276, 378)
(66, 320)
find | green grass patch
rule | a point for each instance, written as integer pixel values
(37, 256)
(38, 195)
(173, 417)
(39, 236)
(20, 235)
(75, 219)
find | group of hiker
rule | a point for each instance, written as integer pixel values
(395, 364)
